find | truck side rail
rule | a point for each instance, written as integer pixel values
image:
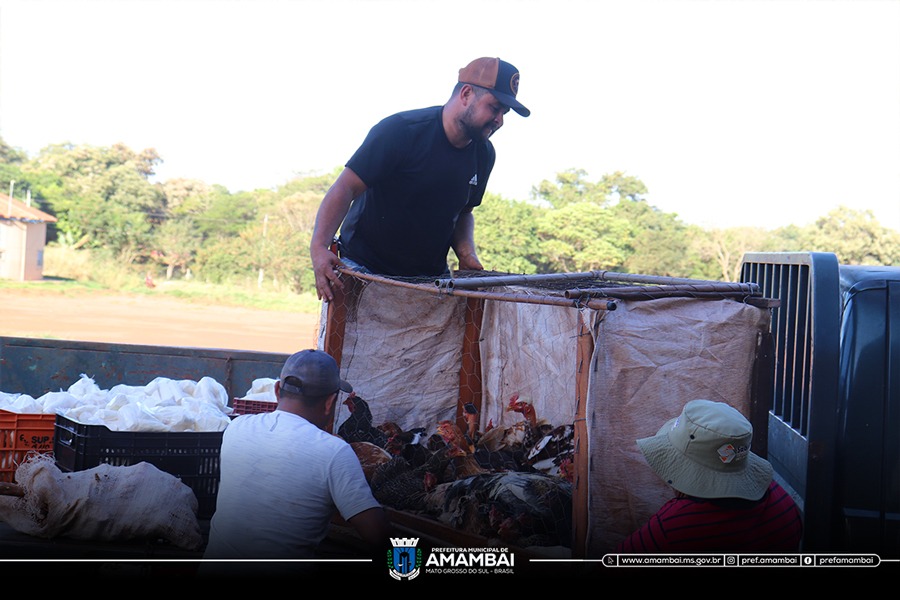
(36, 366)
(803, 416)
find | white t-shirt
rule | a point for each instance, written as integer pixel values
(281, 480)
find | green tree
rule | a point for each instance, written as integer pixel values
(581, 237)
(264, 235)
(722, 251)
(101, 196)
(222, 214)
(656, 242)
(571, 187)
(506, 236)
(855, 236)
(174, 244)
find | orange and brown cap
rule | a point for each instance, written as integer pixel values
(497, 76)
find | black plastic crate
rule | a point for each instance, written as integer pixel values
(193, 457)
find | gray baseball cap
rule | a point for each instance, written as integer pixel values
(312, 373)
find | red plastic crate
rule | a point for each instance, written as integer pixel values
(242, 406)
(21, 433)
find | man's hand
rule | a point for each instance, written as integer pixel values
(331, 213)
(463, 242)
(469, 262)
(325, 264)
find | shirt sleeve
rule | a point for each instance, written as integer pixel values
(379, 153)
(349, 488)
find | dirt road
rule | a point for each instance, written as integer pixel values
(154, 320)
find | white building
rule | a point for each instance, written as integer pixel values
(23, 234)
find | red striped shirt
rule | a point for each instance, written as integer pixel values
(685, 524)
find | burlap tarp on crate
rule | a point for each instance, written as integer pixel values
(529, 350)
(650, 359)
(402, 351)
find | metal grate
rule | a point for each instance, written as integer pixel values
(806, 339)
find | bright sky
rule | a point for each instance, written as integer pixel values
(732, 112)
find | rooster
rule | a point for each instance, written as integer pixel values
(506, 448)
(470, 413)
(534, 429)
(358, 426)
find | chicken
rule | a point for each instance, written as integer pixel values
(399, 485)
(553, 451)
(393, 430)
(567, 468)
(390, 429)
(414, 451)
(522, 509)
(462, 463)
(470, 412)
(534, 429)
(506, 448)
(370, 457)
(358, 427)
(453, 435)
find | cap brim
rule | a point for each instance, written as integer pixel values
(693, 479)
(346, 387)
(511, 102)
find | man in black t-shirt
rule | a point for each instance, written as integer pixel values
(406, 195)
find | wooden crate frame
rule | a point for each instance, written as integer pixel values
(640, 287)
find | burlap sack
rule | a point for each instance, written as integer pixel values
(105, 503)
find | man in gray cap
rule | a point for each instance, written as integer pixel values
(725, 497)
(406, 195)
(283, 475)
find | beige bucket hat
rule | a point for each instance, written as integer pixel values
(705, 453)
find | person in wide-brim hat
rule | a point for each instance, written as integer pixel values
(726, 498)
(705, 453)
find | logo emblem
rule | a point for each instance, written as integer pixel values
(405, 559)
(726, 453)
(514, 84)
(729, 453)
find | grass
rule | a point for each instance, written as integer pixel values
(76, 273)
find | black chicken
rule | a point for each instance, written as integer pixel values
(399, 485)
(522, 509)
(414, 450)
(358, 426)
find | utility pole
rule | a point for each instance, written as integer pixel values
(259, 278)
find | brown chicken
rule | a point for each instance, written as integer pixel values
(535, 428)
(370, 457)
(506, 448)
(462, 460)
